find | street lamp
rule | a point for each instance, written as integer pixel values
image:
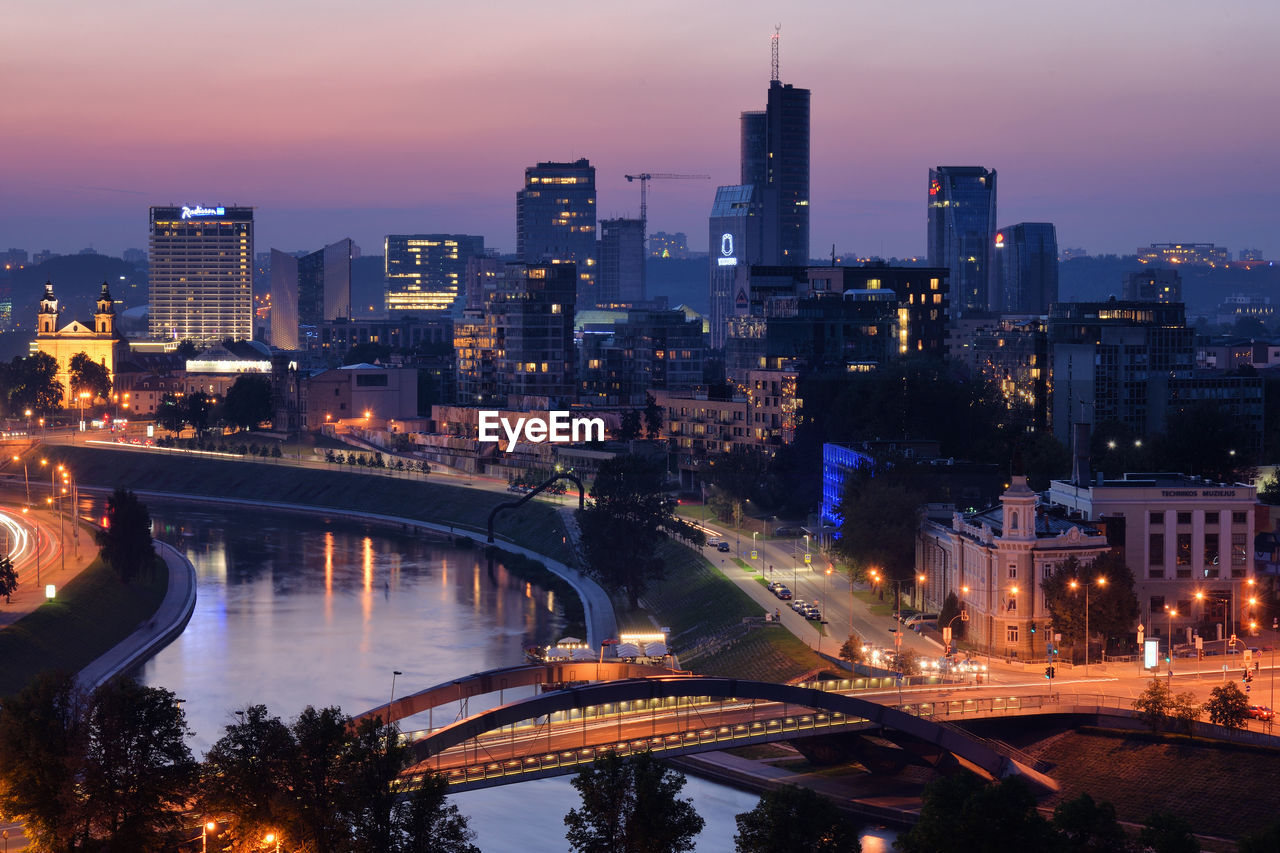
(1101, 581)
(26, 479)
(208, 827)
(754, 534)
(1172, 613)
(272, 838)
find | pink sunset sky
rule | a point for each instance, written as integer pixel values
(1123, 122)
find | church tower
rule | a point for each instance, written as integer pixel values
(104, 318)
(48, 315)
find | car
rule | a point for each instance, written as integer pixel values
(723, 547)
(783, 593)
(797, 604)
(813, 613)
(1260, 712)
(713, 541)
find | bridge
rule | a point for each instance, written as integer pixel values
(628, 708)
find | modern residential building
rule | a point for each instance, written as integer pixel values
(556, 221)
(1159, 284)
(962, 229)
(647, 349)
(1188, 543)
(922, 296)
(426, 273)
(201, 273)
(622, 259)
(1191, 254)
(1027, 261)
(307, 291)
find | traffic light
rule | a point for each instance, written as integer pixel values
(1048, 672)
(1033, 627)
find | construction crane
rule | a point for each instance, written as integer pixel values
(644, 178)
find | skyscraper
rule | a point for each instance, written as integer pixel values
(786, 189)
(306, 291)
(426, 272)
(1027, 256)
(962, 228)
(735, 240)
(556, 220)
(201, 273)
(284, 300)
(621, 262)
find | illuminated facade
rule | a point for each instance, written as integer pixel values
(556, 221)
(962, 230)
(737, 217)
(1027, 261)
(1192, 254)
(426, 273)
(201, 274)
(100, 342)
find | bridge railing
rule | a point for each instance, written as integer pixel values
(1003, 705)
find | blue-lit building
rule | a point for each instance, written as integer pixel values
(838, 462)
(1028, 264)
(962, 229)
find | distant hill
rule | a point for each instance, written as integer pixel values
(77, 281)
(1096, 278)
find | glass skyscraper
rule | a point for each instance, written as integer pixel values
(962, 229)
(556, 220)
(426, 272)
(1028, 263)
(201, 274)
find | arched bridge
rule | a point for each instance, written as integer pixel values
(556, 733)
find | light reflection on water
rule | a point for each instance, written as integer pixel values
(292, 610)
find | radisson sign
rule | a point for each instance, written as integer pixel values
(190, 212)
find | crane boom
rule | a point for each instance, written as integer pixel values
(645, 177)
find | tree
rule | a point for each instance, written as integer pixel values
(628, 517)
(1113, 607)
(171, 413)
(245, 775)
(1206, 440)
(187, 350)
(739, 474)
(1228, 706)
(851, 649)
(88, 375)
(631, 805)
(126, 539)
(629, 429)
(248, 401)
(8, 578)
(794, 820)
(1165, 832)
(1158, 703)
(879, 522)
(1269, 491)
(1089, 826)
(947, 616)
(198, 406)
(32, 383)
(652, 417)
(41, 754)
(962, 813)
(138, 770)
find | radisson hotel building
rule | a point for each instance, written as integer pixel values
(201, 274)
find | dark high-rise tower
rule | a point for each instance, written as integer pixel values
(786, 188)
(556, 220)
(962, 230)
(1027, 255)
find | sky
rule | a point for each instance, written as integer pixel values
(1123, 122)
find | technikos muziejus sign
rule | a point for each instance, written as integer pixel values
(557, 427)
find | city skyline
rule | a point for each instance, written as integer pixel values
(1122, 125)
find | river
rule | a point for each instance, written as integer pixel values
(295, 610)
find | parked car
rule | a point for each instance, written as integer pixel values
(813, 613)
(724, 547)
(1260, 712)
(783, 593)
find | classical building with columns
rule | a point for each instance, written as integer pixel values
(1188, 542)
(995, 561)
(101, 342)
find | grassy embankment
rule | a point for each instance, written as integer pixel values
(91, 614)
(704, 610)
(536, 525)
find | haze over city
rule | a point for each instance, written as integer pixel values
(1124, 124)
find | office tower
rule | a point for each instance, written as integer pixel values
(1027, 256)
(201, 273)
(426, 272)
(621, 280)
(737, 217)
(962, 228)
(532, 313)
(786, 189)
(284, 300)
(754, 147)
(324, 284)
(556, 220)
(1153, 285)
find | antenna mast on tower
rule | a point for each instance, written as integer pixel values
(774, 42)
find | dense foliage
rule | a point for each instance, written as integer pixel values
(126, 539)
(631, 805)
(795, 820)
(1111, 601)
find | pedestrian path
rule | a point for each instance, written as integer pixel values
(58, 565)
